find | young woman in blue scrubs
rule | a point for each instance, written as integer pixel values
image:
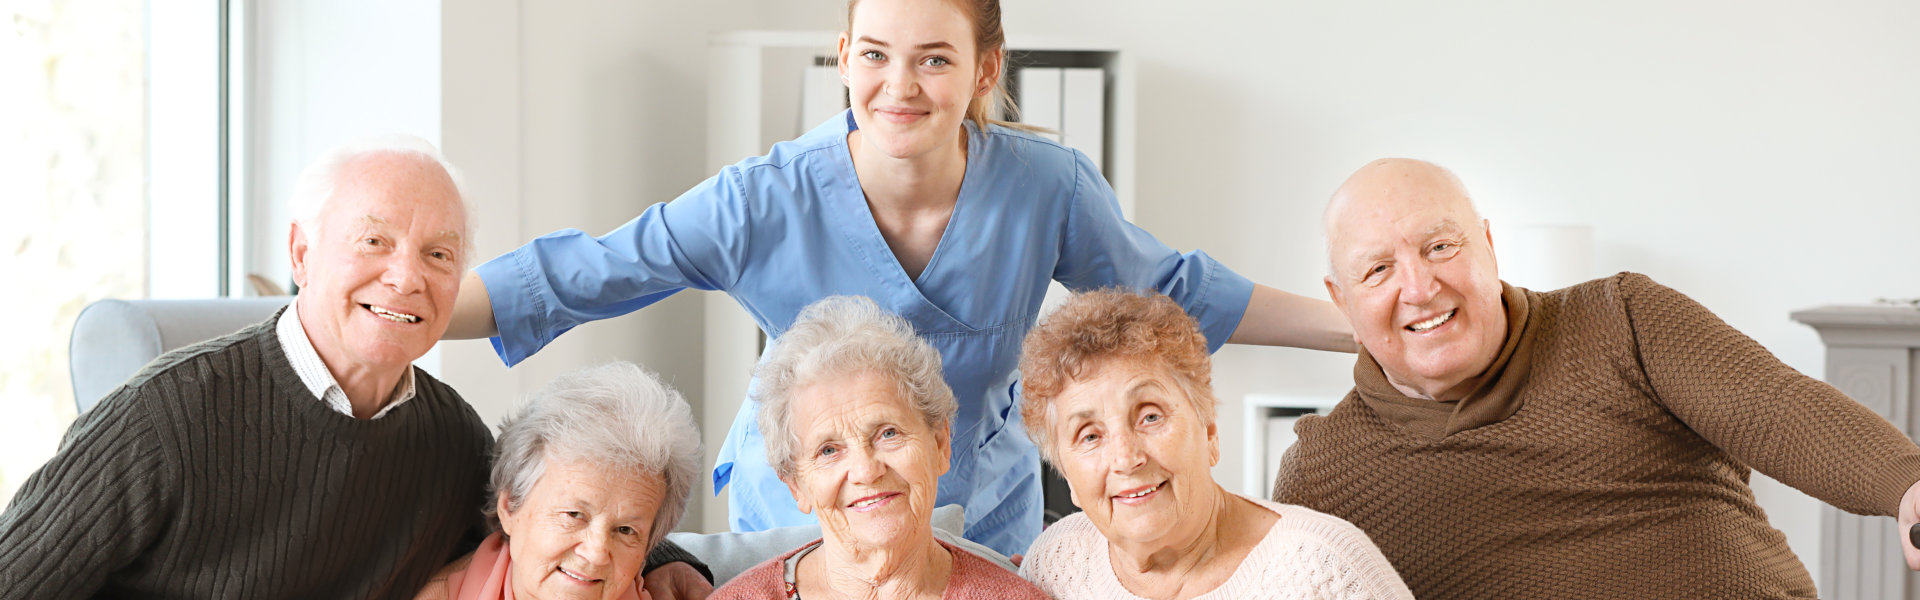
(911, 197)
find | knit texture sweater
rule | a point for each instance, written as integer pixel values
(1306, 554)
(215, 473)
(1604, 455)
(973, 578)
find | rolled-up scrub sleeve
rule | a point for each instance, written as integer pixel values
(565, 278)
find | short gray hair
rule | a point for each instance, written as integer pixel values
(314, 187)
(616, 417)
(844, 335)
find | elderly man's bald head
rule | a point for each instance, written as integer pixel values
(1390, 183)
(1412, 268)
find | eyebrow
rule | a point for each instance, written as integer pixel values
(926, 46)
(1443, 226)
(1131, 393)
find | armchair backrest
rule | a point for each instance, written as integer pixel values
(112, 339)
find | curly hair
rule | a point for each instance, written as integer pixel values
(838, 336)
(1102, 325)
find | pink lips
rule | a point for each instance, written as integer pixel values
(576, 578)
(900, 115)
(1126, 497)
(878, 501)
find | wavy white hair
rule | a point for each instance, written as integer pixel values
(617, 417)
(841, 335)
(314, 187)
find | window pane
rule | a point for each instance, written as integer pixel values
(72, 173)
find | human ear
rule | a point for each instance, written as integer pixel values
(1213, 443)
(943, 442)
(843, 58)
(297, 248)
(990, 71)
(509, 522)
(1486, 229)
(802, 501)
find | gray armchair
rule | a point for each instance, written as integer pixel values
(112, 339)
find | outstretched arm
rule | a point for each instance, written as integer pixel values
(472, 311)
(1277, 318)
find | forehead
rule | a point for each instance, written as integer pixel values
(1115, 386)
(1378, 221)
(607, 488)
(386, 189)
(839, 403)
(911, 22)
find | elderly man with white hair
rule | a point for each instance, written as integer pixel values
(1588, 442)
(302, 456)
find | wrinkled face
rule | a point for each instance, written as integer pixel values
(379, 270)
(1413, 269)
(911, 67)
(581, 532)
(1136, 453)
(867, 465)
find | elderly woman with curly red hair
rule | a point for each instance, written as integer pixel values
(1119, 398)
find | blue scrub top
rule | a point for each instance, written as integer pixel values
(780, 231)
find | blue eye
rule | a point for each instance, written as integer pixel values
(829, 451)
(937, 61)
(889, 433)
(873, 55)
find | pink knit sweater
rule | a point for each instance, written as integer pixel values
(1306, 554)
(973, 578)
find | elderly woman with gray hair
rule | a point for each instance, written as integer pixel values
(857, 421)
(588, 476)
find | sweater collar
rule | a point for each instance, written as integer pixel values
(1496, 397)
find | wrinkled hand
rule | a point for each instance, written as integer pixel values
(1908, 514)
(675, 581)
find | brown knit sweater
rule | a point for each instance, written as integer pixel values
(1606, 456)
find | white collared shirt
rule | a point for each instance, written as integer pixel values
(306, 361)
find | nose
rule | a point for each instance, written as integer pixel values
(902, 82)
(866, 467)
(1418, 286)
(405, 273)
(1125, 451)
(593, 547)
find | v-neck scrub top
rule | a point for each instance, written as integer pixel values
(780, 231)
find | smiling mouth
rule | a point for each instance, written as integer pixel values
(1433, 322)
(1142, 492)
(397, 317)
(871, 500)
(579, 578)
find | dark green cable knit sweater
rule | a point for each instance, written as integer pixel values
(214, 473)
